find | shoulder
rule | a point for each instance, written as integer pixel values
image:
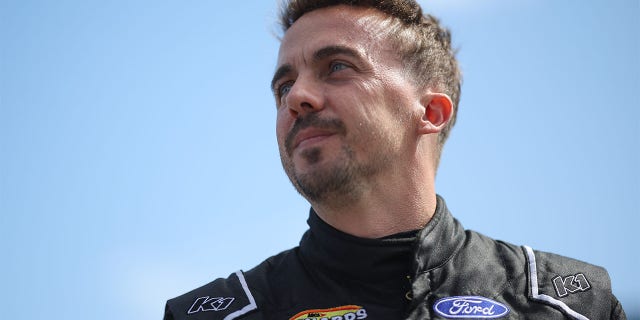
(551, 282)
(239, 296)
(225, 298)
(576, 288)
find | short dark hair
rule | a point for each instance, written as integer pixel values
(423, 44)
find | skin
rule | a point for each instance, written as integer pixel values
(357, 138)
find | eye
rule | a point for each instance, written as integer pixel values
(337, 66)
(284, 88)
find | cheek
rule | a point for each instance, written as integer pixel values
(283, 123)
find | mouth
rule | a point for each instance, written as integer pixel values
(310, 130)
(310, 136)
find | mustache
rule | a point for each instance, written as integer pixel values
(312, 120)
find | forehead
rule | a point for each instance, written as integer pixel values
(358, 28)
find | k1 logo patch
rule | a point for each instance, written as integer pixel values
(349, 312)
(210, 304)
(571, 284)
(469, 307)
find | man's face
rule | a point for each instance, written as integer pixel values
(346, 110)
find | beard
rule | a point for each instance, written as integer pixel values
(328, 183)
(339, 180)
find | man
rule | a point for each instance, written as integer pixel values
(366, 93)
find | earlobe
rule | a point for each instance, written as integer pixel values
(438, 109)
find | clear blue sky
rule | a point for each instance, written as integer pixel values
(138, 157)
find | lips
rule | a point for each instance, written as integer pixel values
(311, 128)
(309, 136)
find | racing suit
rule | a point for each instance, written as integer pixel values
(439, 272)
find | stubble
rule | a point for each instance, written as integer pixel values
(335, 179)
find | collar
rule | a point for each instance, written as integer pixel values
(347, 255)
(439, 240)
(384, 263)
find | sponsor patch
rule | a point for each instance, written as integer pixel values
(350, 312)
(464, 307)
(571, 284)
(210, 304)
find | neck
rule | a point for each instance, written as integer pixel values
(400, 201)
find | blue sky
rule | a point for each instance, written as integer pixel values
(138, 155)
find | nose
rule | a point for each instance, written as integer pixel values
(305, 96)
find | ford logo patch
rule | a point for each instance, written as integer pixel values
(469, 307)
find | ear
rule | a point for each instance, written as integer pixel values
(438, 109)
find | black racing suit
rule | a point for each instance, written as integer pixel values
(440, 272)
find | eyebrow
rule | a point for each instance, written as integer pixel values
(281, 72)
(335, 50)
(322, 53)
